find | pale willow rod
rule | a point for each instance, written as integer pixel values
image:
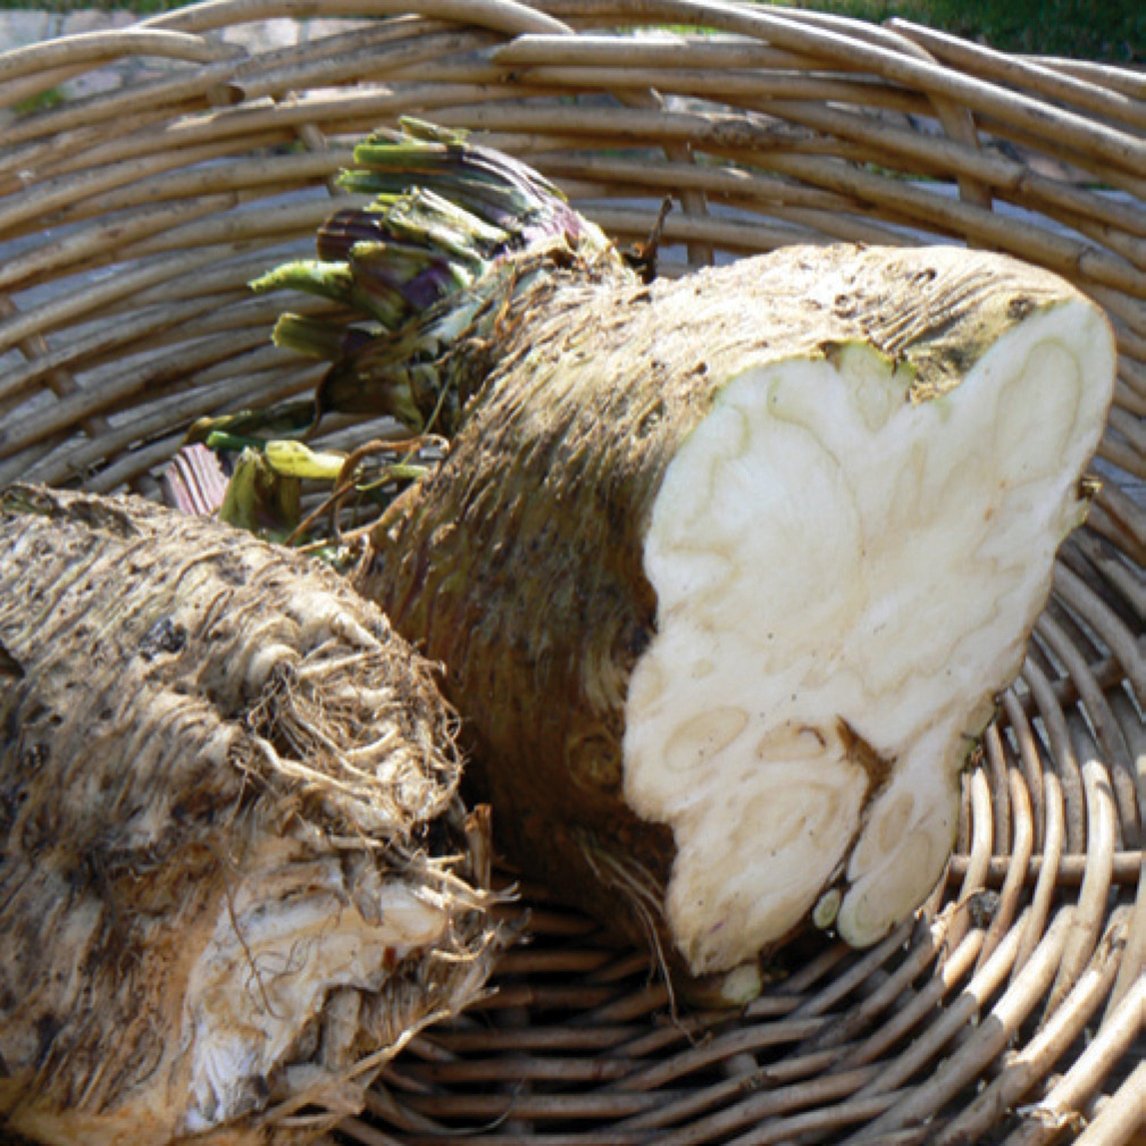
(171, 335)
(727, 184)
(995, 768)
(103, 242)
(662, 67)
(1083, 599)
(103, 343)
(1022, 752)
(399, 37)
(1110, 176)
(224, 83)
(928, 153)
(1112, 1042)
(1125, 81)
(353, 113)
(207, 177)
(1130, 389)
(1047, 1046)
(54, 154)
(1051, 826)
(1124, 867)
(16, 91)
(115, 386)
(1094, 891)
(204, 222)
(253, 125)
(915, 151)
(68, 307)
(879, 35)
(265, 221)
(981, 830)
(85, 458)
(740, 87)
(1117, 1118)
(1118, 452)
(241, 313)
(1072, 131)
(860, 226)
(1116, 518)
(238, 316)
(688, 52)
(1110, 578)
(133, 469)
(1040, 79)
(732, 235)
(549, 54)
(1107, 674)
(1058, 741)
(250, 180)
(360, 63)
(190, 90)
(1132, 434)
(1091, 652)
(149, 134)
(1079, 261)
(955, 119)
(82, 193)
(1134, 956)
(1118, 786)
(89, 48)
(1014, 804)
(504, 16)
(212, 276)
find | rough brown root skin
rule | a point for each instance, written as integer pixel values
(235, 876)
(618, 565)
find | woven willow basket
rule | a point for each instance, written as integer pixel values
(131, 219)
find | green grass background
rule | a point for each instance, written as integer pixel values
(1108, 30)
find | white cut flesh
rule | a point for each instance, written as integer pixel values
(835, 565)
(292, 941)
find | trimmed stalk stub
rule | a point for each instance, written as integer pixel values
(452, 229)
(237, 876)
(727, 573)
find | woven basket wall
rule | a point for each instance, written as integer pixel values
(131, 219)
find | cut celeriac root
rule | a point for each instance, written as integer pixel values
(844, 581)
(728, 572)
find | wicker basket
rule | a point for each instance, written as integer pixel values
(131, 220)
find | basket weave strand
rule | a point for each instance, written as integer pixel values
(132, 219)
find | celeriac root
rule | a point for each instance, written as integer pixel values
(235, 871)
(727, 573)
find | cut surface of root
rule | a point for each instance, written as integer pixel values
(845, 580)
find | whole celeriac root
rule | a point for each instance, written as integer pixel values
(236, 876)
